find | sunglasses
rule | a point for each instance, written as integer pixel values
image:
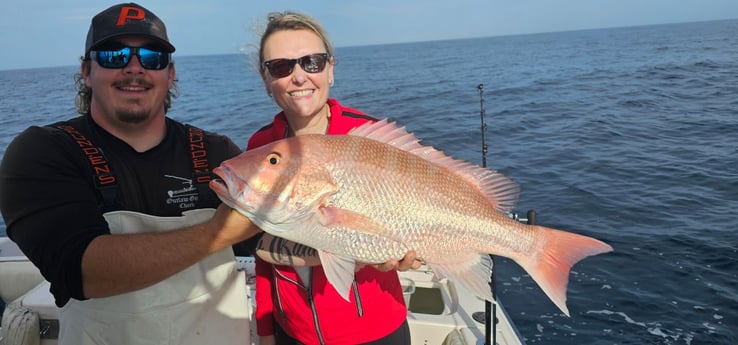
(280, 68)
(119, 58)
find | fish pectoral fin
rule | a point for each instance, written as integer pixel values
(334, 217)
(474, 273)
(339, 271)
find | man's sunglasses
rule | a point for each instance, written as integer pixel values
(280, 68)
(119, 58)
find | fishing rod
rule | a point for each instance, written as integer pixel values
(480, 87)
(490, 310)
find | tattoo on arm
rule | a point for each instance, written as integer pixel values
(285, 252)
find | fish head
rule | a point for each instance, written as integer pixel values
(274, 185)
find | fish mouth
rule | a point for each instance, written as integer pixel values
(233, 192)
(226, 188)
(223, 174)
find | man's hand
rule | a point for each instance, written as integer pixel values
(231, 227)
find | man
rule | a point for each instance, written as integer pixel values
(113, 206)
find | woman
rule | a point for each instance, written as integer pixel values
(294, 302)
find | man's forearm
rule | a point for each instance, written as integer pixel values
(115, 264)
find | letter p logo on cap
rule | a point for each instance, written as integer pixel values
(128, 12)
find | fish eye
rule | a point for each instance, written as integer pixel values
(273, 158)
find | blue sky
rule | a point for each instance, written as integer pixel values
(43, 33)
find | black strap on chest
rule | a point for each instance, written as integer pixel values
(106, 182)
(103, 177)
(201, 172)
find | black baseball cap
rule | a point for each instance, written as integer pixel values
(126, 19)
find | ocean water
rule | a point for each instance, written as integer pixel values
(629, 135)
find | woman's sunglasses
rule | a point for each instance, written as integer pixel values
(119, 58)
(280, 68)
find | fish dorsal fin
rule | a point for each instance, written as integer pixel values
(500, 190)
(388, 133)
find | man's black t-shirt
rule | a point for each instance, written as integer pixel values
(51, 202)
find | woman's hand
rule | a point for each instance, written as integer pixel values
(406, 263)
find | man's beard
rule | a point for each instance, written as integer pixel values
(132, 117)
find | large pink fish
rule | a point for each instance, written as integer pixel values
(376, 193)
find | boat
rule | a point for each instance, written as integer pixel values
(440, 312)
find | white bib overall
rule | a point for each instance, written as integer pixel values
(205, 304)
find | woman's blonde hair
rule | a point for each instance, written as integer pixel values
(288, 20)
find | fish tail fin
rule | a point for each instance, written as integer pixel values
(550, 266)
